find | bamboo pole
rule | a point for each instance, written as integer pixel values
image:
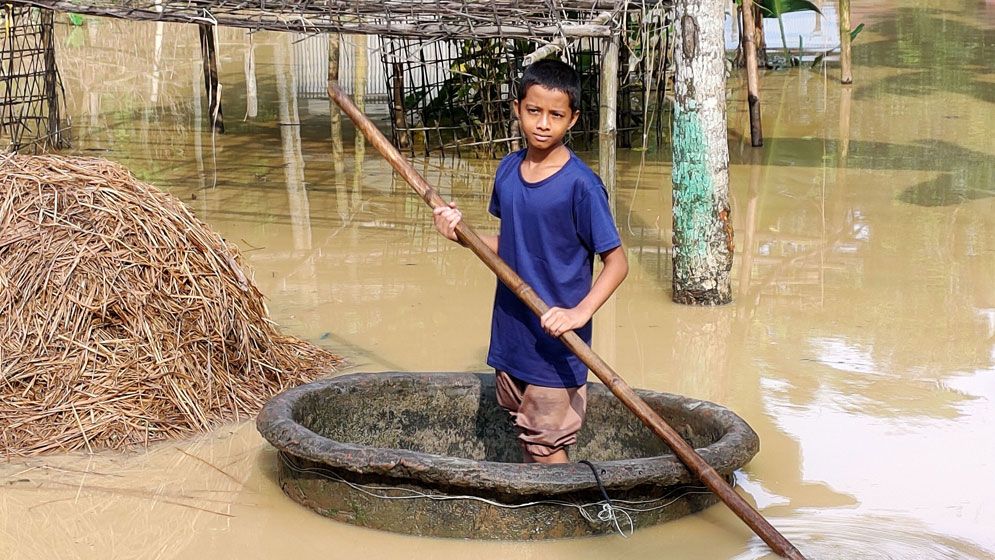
(53, 134)
(468, 237)
(608, 113)
(209, 51)
(400, 124)
(251, 89)
(846, 70)
(752, 75)
(335, 117)
(560, 44)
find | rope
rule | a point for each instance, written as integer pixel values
(608, 510)
(604, 511)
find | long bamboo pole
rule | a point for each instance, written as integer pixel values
(209, 51)
(608, 113)
(846, 66)
(752, 75)
(618, 387)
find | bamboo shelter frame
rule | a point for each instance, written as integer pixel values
(551, 24)
(459, 19)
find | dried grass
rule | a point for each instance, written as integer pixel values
(123, 318)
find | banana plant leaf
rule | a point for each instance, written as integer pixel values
(777, 8)
(853, 35)
(856, 31)
(774, 8)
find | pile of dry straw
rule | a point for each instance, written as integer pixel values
(124, 319)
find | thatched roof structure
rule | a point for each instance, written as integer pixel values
(399, 18)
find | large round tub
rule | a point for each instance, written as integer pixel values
(433, 454)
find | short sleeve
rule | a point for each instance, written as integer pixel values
(594, 221)
(507, 163)
(495, 205)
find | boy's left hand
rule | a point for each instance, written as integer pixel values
(557, 320)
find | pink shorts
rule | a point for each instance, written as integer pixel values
(548, 418)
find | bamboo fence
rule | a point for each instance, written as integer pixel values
(29, 81)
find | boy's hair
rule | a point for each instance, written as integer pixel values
(552, 74)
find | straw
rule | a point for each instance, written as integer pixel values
(124, 319)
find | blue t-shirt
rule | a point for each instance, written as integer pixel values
(550, 233)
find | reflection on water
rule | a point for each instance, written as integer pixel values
(860, 345)
(838, 535)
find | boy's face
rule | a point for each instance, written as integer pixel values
(545, 116)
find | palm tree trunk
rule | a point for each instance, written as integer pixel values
(703, 237)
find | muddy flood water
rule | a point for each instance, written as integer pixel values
(860, 345)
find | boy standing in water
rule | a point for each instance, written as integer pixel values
(554, 219)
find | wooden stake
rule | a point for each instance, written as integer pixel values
(759, 37)
(752, 75)
(846, 95)
(335, 117)
(603, 371)
(53, 132)
(251, 91)
(608, 113)
(846, 71)
(209, 51)
(400, 124)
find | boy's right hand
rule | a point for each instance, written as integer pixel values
(446, 218)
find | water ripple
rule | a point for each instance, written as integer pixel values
(839, 536)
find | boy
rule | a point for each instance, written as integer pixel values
(554, 218)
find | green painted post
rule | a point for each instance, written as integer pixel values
(703, 236)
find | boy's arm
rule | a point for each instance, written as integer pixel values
(446, 218)
(557, 320)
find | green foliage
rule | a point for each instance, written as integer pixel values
(853, 35)
(76, 19)
(471, 96)
(76, 38)
(856, 31)
(777, 8)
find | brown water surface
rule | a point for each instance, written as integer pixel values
(860, 346)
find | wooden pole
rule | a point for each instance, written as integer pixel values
(846, 71)
(603, 371)
(752, 75)
(53, 135)
(758, 36)
(608, 113)
(400, 123)
(251, 90)
(209, 51)
(335, 117)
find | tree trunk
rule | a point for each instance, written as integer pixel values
(703, 239)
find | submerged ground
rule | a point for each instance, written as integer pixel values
(861, 343)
